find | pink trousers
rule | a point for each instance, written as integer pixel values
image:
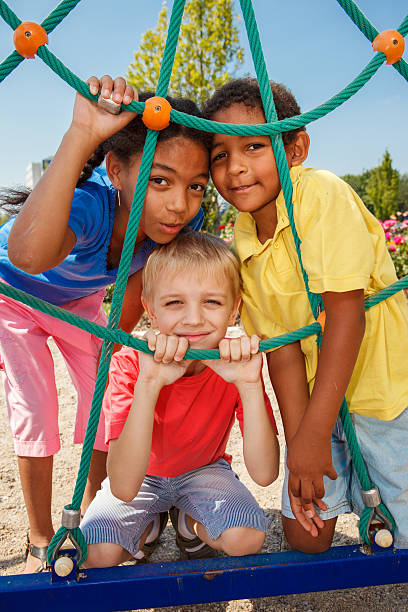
(28, 372)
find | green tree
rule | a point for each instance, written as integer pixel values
(403, 192)
(358, 182)
(208, 51)
(382, 189)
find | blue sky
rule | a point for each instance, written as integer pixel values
(313, 47)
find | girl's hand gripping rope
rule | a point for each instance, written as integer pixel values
(95, 122)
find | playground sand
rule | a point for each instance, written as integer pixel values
(13, 521)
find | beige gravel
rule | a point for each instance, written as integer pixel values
(13, 522)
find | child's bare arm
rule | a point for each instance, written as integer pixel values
(286, 367)
(40, 238)
(287, 372)
(309, 450)
(128, 455)
(241, 364)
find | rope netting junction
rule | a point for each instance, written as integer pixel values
(391, 39)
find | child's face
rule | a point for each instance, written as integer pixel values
(243, 168)
(177, 182)
(199, 309)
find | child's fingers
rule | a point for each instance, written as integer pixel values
(245, 348)
(130, 94)
(171, 349)
(254, 341)
(320, 504)
(94, 85)
(318, 486)
(236, 349)
(106, 86)
(294, 485)
(225, 349)
(119, 87)
(181, 349)
(161, 343)
(150, 337)
(306, 492)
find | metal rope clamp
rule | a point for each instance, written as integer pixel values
(70, 520)
(372, 499)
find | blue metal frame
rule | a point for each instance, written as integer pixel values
(188, 582)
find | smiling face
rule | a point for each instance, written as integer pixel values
(177, 182)
(243, 168)
(199, 309)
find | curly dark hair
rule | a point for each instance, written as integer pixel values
(130, 140)
(125, 144)
(246, 91)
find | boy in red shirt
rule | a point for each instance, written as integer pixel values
(168, 419)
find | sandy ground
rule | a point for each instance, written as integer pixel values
(13, 521)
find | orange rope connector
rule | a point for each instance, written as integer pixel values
(391, 43)
(28, 37)
(156, 114)
(322, 319)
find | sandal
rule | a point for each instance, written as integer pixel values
(148, 549)
(39, 552)
(193, 548)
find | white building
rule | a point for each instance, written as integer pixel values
(35, 170)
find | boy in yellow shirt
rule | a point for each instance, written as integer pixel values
(363, 355)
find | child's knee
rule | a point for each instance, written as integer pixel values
(239, 541)
(301, 540)
(105, 554)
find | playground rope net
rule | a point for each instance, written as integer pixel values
(111, 334)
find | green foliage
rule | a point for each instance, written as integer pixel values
(211, 210)
(359, 183)
(382, 188)
(403, 192)
(208, 49)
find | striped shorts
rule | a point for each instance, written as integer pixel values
(212, 495)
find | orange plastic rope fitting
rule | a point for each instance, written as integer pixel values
(322, 319)
(391, 43)
(28, 37)
(156, 114)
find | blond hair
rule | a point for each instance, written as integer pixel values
(199, 253)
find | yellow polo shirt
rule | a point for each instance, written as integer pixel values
(343, 248)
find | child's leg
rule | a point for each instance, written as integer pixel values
(234, 541)
(384, 448)
(336, 499)
(31, 395)
(116, 531)
(81, 351)
(220, 510)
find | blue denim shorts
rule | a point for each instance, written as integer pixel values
(212, 495)
(384, 446)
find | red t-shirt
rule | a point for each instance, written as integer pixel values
(192, 420)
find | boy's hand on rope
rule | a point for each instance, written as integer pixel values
(92, 120)
(167, 364)
(240, 362)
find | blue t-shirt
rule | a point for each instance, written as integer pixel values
(84, 270)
